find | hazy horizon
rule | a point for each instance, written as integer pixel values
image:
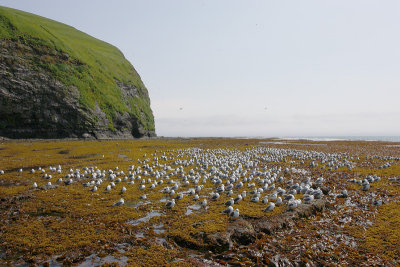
(254, 68)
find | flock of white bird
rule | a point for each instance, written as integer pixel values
(254, 174)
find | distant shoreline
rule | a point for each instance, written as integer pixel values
(391, 139)
(344, 138)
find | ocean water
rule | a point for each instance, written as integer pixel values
(344, 138)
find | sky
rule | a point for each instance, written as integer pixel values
(253, 68)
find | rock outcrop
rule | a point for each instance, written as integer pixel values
(244, 231)
(55, 86)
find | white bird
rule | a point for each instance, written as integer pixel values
(308, 199)
(170, 204)
(366, 187)
(143, 197)
(34, 185)
(1, 172)
(272, 187)
(175, 187)
(119, 202)
(123, 190)
(343, 194)
(228, 210)
(265, 200)
(230, 202)
(108, 188)
(270, 207)
(317, 193)
(234, 214)
(292, 205)
(198, 188)
(289, 197)
(196, 197)
(255, 199)
(94, 189)
(238, 199)
(191, 191)
(215, 196)
(221, 189)
(203, 203)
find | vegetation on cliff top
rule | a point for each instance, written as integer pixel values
(93, 66)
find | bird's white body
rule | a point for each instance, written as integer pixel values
(270, 207)
(119, 202)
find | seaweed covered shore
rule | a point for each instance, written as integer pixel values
(51, 214)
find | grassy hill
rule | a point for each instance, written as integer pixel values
(93, 66)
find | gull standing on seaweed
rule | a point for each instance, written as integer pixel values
(270, 207)
(215, 196)
(265, 200)
(238, 199)
(119, 202)
(170, 204)
(308, 199)
(203, 203)
(228, 210)
(343, 194)
(234, 214)
(230, 202)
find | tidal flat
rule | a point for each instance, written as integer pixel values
(334, 202)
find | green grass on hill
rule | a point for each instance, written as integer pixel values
(98, 63)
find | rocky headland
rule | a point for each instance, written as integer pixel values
(58, 82)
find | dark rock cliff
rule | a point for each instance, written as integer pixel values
(36, 103)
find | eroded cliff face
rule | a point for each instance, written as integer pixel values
(35, 104)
